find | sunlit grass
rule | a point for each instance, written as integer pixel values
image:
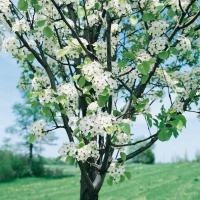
(149, 182)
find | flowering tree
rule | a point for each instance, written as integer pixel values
(94, 66)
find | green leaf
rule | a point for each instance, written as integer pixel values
(192, 94)
(30, 57)
(149, 120)
(64, 112)
(47, 31)
(80, 11)
(164, 134)
(34, 2)
(41, 23)
(77, 130)
(133, 20)
(61, 99)
(122, 179)
(58, 158)
(182, 119)
(144, 68)
(128, 55)
(87, 61)
(170, 13)
(88, 100)
(22, 5)
(45, 111)
(128, 175)
(134, 98)
(81, 82)
(62, 52)
(148, 17)
(144, 79)
(123, 156)
(31, 138)
(163, 55)
(76, 77)
(31, 76)
(37, 8)
(32, 95)
(122, 64)
(70, 160)
(110, 129)
(179, 125)
(35, 104)
(174, 50)
(102, 100)
(125, 128)
(110, 180)
(116, 113)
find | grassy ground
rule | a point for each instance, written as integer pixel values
(149, 182)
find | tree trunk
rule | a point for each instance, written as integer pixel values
(85, 193)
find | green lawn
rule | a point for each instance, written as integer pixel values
(149, 182)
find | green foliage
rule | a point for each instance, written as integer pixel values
(102, 100)
(47, 31)
(17, 166)
(125, 128)
(22, 5)
(146, 157)
(197, 157)
(144, 68)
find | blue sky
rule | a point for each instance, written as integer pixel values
(187, 142)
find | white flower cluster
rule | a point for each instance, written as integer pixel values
(178, 104)
(87, 151)
(101, 79)
(142, 56)
(120, 7)
(10, 45)
(150, 5)
(175, 4)
(82, 153)
(4, 7)
(90, 4)
(67, 89)
(93, 18)
(115, 28)
(93, 106)
(48, 96)
(157, 45)
(96, 124)
(157, 28)
(48, 9)
(37, 129)
(101, 48)
(31, 43)
(100, 82)
(40, 82)
(184, 44)
(73, 120)
(68, 150)
(23, 83)
(165, 77)
(122, 138)
(114, 170)
(20, 25)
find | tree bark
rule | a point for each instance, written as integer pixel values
(85, 193)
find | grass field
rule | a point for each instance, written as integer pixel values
(179, 181)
